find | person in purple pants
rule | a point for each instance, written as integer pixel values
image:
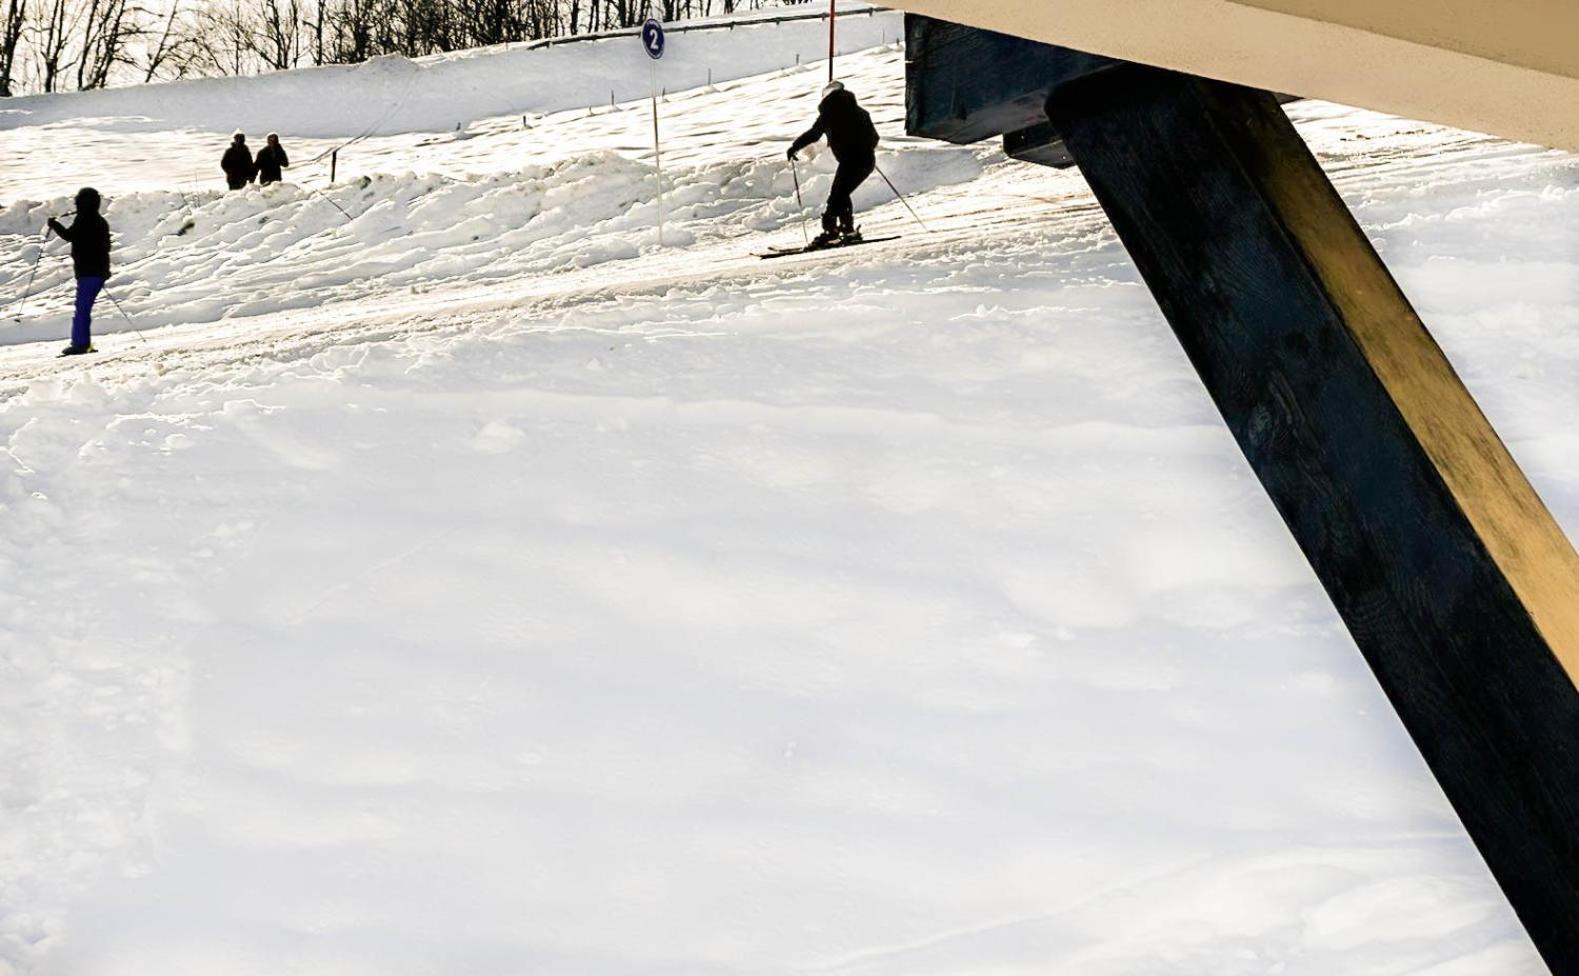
(89, 235)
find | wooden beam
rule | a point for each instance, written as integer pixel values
(1459, 588)
(1040, 144)
(1508, 67)
(964, 85)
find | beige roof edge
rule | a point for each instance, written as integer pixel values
(1505, 67)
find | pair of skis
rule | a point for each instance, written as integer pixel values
(852, 241)
(784, 252)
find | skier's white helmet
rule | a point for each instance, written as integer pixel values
(832, 87)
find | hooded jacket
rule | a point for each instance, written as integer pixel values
(848, 126)
(271, 159)
(237, 164)
(89, 235)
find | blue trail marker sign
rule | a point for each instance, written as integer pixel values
(652, 38)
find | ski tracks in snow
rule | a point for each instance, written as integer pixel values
(637, 610)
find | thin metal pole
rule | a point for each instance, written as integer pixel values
(27, 292)
(330, 200)
(657, 152)
(901, 197)
(133, 326)
(805, 234)
(833, 14)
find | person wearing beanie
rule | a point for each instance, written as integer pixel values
(89, 235)
(853, 139)
(237, 163)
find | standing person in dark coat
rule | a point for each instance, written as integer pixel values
(271, 159)
(89, 235)
(237, 163)
(853, 139)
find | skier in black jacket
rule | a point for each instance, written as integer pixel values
(89, 235)
(237, 163)
(271, 159)
(853, 139)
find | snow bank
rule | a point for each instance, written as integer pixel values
(193, 258)
(395, 95)
(861, 617)
(492, 205)
(537, 599)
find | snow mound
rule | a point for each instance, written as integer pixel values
(182, 258)
(392, 94)
(461, 582)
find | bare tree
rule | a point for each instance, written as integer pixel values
(108, 27)
(277, 33)
(10, 43)
(164, 45)
(49, 45)
(51, 42)
(351, 31)
(220, 41)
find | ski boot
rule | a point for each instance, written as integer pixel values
(848, 232)
(829, 237)
(77, 350)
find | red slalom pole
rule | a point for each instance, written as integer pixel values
(833, 14)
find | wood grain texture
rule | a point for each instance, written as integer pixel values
(964, 85)
(1535, 34)
(1038, 144)
(1508, 67)
(1458, 587)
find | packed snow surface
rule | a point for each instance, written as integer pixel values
(393, 94)
(432, 573)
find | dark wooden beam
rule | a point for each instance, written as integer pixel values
(1459, 588)
(965, 85)
(1040, 144)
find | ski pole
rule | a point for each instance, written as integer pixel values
(314, 189)
(21, 303)
(795, 171)
(901, 197)
(132, 326)
(31, 275)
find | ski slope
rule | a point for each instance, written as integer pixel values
(433, 573)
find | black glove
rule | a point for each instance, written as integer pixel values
(790, 154)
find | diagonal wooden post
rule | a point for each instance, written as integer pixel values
(1459, 588)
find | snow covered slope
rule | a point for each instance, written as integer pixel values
(392, 94)
(469, 585)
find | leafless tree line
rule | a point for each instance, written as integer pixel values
(66, 45)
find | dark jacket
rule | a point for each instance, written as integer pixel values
(851, 134)
(271, 159)
(238, 166)
(89, 235)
